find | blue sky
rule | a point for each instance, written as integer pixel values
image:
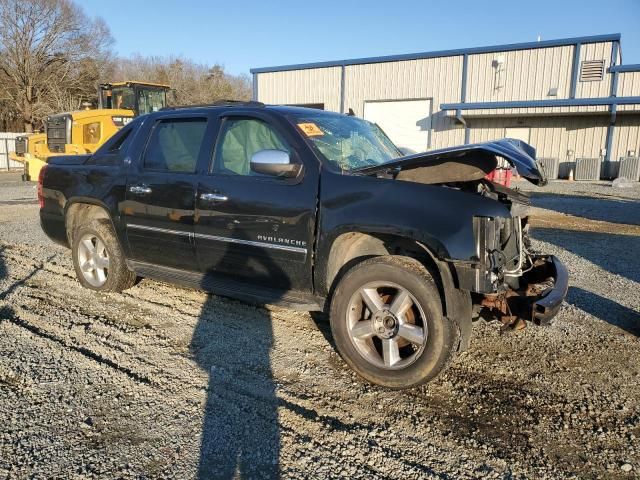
(246, 33)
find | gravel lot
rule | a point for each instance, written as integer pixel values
(165, 382)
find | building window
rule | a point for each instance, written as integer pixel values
(591, 70)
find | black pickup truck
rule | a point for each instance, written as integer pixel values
(316, 211)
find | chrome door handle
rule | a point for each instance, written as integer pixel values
(139, 189)
(213, 197)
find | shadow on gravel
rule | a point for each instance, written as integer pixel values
(616, 210)
(605, 309)
(232, 342)
(3, 275)
(614, 253)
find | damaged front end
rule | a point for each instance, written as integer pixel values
(506, 277)
(537, 297)
(510, 280)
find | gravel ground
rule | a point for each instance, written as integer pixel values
(165, 382)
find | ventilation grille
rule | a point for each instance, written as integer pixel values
(588, 169)
(591, 70)
(630, 168)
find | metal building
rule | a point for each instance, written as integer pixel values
(572, 99)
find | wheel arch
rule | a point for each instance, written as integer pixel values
(79, 211)
(351, 248)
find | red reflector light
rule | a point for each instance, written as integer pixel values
(40, 179)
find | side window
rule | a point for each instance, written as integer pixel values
(239, 139)
(107, 154)
(119, 142)
(174, 145)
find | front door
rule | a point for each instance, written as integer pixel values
(250, 227)
(161, 192)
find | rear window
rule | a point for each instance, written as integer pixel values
(175, 144)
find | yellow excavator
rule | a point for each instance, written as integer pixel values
(83, 131)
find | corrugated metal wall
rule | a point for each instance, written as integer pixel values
(628, 86)
(526, 75)
(602, 88)
(436, 78)
(318, 85)
(626, 136)
(551, 136)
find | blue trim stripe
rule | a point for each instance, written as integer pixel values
(342, 89)
(465, 68)
(254, 89)
(625, 68)
(611, 128)
(614, 54)
(569, 102)
(444, 53)
(575, 70)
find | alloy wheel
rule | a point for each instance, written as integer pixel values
(93, 259)
(387, 325)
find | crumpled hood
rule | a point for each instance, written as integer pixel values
(477, 160)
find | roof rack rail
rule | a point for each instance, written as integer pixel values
(219, 103)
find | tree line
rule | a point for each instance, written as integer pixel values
(53, 56)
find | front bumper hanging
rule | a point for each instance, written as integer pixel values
(539, 297)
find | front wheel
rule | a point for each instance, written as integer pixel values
(387, 322)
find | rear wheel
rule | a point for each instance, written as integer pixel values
(98, 259)
(387, 322)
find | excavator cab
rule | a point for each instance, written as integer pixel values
(140, 97)
(84, 131)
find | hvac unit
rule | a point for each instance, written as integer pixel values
(588, 169)
(610, 170)
(564, 168)
(629, 168)
(550, 166)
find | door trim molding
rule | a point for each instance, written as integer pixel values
(252, 243)
(159, 230)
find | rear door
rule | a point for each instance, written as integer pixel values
(255, 228)
(161, 192)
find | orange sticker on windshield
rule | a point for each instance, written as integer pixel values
(310, 129)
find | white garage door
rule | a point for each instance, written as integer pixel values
(406, 122)
(519, 133)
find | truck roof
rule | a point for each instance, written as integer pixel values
(225, 104)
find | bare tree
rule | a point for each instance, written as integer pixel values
(51, 55)
(191, 83)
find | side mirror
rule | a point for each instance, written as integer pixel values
(276, 163)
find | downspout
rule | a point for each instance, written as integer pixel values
(254, 88)
(463, 97)
(611, 128)
(342, 74)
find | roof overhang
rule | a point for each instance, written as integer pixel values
(568, 102)
(613, 37)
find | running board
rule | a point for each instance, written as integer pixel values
(229, 288)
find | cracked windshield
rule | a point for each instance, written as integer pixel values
(349, 143)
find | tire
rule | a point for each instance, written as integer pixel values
(107, 256)
(417, 359)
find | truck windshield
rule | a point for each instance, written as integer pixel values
(347, 142)
(150, 100)
(123, 97)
